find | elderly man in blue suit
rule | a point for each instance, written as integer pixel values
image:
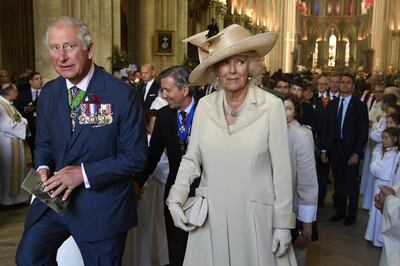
(90, 140)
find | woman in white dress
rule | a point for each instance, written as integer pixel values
(382, 165)
(304, 175)
(239, 146)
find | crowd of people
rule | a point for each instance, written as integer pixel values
(211, 184)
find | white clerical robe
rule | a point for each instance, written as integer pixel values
(12, 156)
(391, 230)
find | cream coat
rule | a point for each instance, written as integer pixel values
(246, 179)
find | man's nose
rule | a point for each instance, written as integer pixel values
(63, 55)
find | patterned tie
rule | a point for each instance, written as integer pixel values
(184, 117)
(339, 120)
(74, 91)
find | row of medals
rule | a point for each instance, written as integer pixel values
(93, 114)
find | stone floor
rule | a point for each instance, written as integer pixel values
(338, 245)
(341, 244)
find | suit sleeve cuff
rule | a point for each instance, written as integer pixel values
(85, 178)
(307, 213)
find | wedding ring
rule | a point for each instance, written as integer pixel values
(69, 190)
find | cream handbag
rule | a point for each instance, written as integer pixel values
(196, 208)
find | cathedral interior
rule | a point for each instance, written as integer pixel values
(316, 35)
(320, 36)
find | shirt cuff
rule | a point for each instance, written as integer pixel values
(85, 178)
(307, 213)
(43, 167)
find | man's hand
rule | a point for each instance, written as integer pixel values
(44, 174)
(138, 192)
(353, 160)
(66, 179)
(380, 198)
(29, 109)
(304, 238)
(324, 158)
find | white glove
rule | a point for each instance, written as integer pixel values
(281, 241)
(179, 217)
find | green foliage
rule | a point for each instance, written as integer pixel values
(190, 63)
(118, 57)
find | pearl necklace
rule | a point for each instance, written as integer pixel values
(234, 113)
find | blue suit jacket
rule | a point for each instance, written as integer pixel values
(110, 155)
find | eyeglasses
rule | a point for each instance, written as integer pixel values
(67, 47)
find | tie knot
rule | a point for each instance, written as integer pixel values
(183, 114)
(74, 90)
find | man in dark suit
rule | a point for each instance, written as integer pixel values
(26, 105)
(322, 97)
(171, 132)
(343, 140)
(148, 91)
(89, 161)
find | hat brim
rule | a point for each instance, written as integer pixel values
(262, 44)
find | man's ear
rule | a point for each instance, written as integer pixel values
(186, 90)
(90, 50)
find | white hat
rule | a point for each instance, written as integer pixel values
(230, 41)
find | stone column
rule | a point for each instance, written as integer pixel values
(340, 54)
(289, 32)
(43, 11)
(323, 51)
(359, 54)
(394, 56)
(378, 34)
(97, 14)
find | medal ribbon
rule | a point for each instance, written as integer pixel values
(182, 135)
(75, 101)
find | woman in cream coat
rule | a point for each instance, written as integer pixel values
(239, 146)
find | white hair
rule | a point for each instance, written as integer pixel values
(83, 34)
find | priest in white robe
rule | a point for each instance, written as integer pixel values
(13, 128)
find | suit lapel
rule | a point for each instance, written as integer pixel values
(63, 109)
(348, 113)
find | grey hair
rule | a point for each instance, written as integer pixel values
(180, 74)
(255, 71)
(83, 34)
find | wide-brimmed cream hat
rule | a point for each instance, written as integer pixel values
(230, 41)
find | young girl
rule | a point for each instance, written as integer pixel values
(381, 167)
(389, 105)
(393, 120)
